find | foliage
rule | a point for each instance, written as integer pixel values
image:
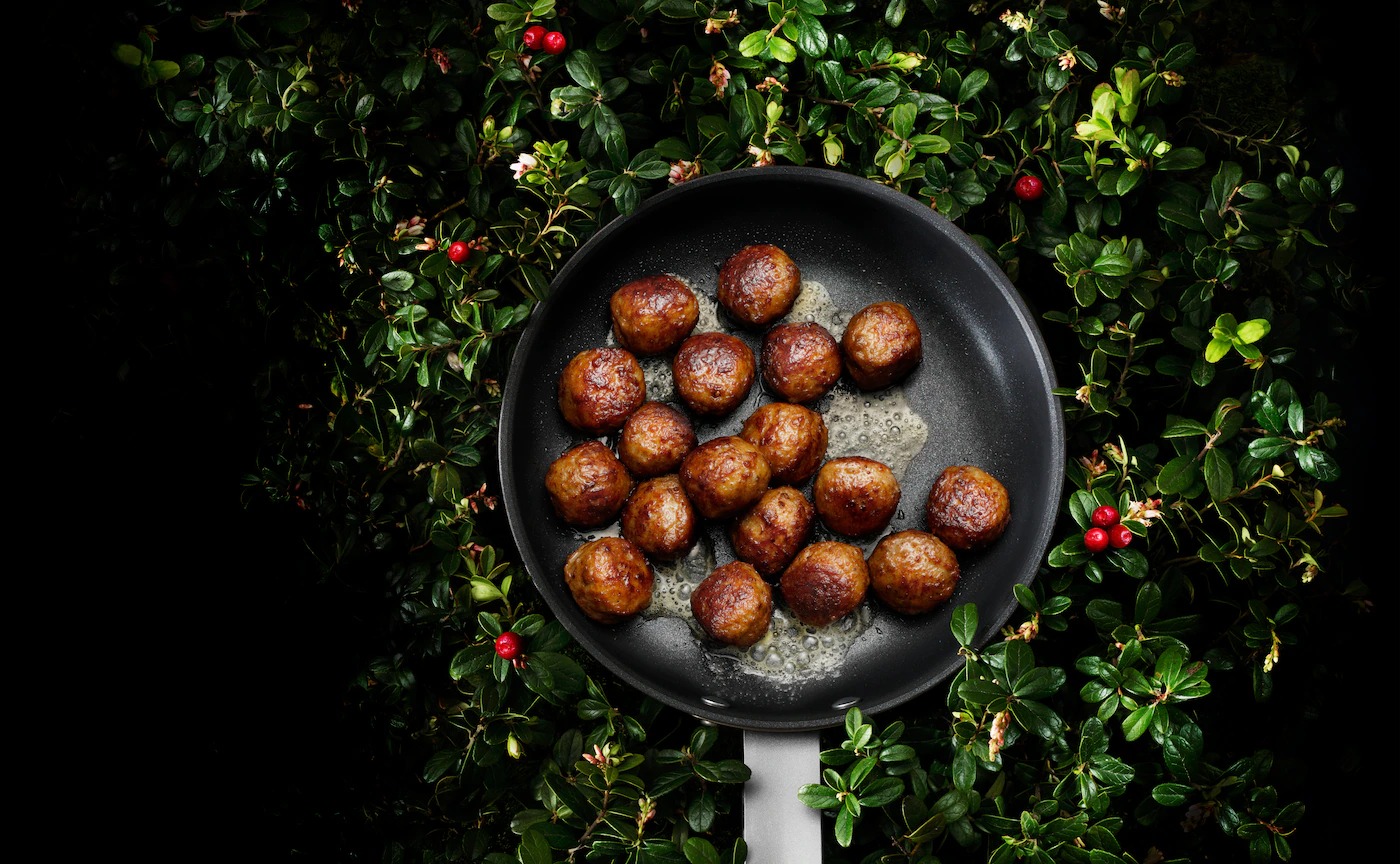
(1190, 274)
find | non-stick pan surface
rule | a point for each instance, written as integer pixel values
(983, 389)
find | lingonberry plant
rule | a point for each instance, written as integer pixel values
(400, 183)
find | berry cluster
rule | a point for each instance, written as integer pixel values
(1107, 530)
(537, 37)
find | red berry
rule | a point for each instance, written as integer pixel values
(1028, 187)
(458, 252)
(1119, 536)
(508, 645)
(554, 42)
(1096, 539)
(533, 37)
(1104, 516)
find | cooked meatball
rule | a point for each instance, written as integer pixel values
(792, 438)
(610, 578)
(801, 361)
(587, 485)
(967, 507)
(825, 582)
(855, 495)
(881, 344)
(734, 605)
(713, 373)
(654, 439)
(769, 534)
(659, 518)
(724, 476)
(913, 571)
(599, 388)
(758, 284)
(653, 314)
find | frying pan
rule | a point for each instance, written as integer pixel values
(983, 390)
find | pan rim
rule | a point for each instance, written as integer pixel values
(991, 619)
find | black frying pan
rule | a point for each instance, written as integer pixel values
(984, 390)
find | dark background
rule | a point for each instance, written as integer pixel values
(198, 698)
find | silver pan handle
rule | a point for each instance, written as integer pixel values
(778, 828)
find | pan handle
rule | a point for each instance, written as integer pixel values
(778, 828)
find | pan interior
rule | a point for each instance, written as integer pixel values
(982, 390)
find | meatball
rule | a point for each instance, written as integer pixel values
(825, 582)
(587, 485)
(599, 388)
(653, 314)
(733, 604)
(660, 519)
(610, 578)
(792, 438)
(913, 571)
(713, 373)
(769, 534)
(801, 361)
(654, 439)
(724, 476)
(881, 344)
(758, 284)
(967, 507)
(855, 495)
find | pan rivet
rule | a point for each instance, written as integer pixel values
(847, 702)
(714, 703)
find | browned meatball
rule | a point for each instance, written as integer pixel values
(769, 534)
(825, 582)
(724, 476)
(882, 343)
(610, 578)
(587, 485)
(913, 571)
(792, 438)
(713, 373)
(654, 439)
(599, 388)
(653, 314)
(967, 507)
(758, 284)
(801, 361)
(734, 605)
(659, 518)
(855, 495)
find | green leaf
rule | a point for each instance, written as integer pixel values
(1178, 475)
(783, 50)
(698, 850)
(583, 70)
(1138, 722)
(534, 848)
(964, 624)
(1219, 474)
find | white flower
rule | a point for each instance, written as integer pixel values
(1111, 12)
(998, 733)
(683, 170)
(1067, 60)
(525, 164)
(1015, 21)
(719, 76)
(1144, 511)
(761, 157)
